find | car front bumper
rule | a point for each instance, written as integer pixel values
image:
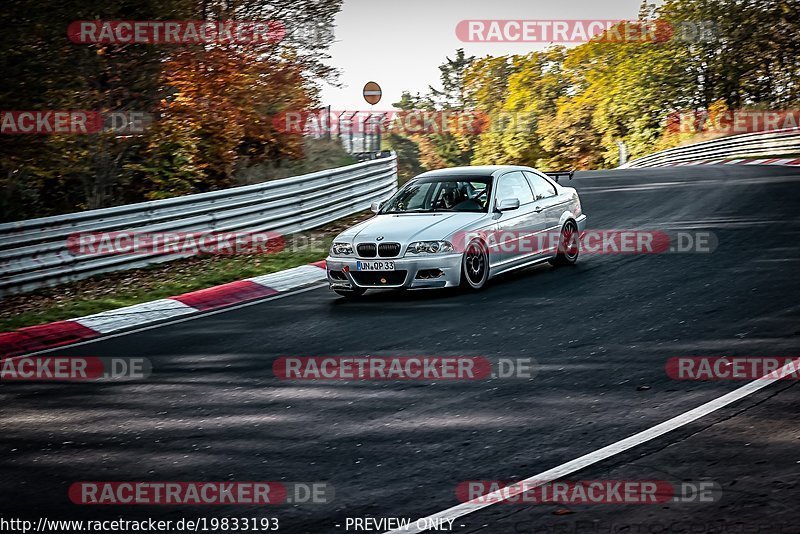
(424, 271)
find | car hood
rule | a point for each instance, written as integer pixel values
(405, 228)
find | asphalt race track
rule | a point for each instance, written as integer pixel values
(601, 333)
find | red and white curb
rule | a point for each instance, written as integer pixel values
(739, 161)
(51, 335)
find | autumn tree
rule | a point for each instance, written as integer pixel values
(213, 102)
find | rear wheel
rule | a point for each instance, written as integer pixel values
(350, 293)
(474, 266)
(568, 245)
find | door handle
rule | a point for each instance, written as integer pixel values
(537, 209)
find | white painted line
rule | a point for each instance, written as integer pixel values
(734, 161)
(755, 162)
(601, 454)
(138, 314)
(291, 278)
(782, 161)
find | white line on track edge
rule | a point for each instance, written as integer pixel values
(191, 317)
(594, 457)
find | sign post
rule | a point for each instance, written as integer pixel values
(372, 94)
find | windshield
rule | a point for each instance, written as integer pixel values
(441, 193)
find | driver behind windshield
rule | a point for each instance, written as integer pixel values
(456, 196)
(433, 195)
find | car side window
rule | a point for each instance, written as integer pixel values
(541, 187)
(514, 185)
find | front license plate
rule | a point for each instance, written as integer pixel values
(374, 266)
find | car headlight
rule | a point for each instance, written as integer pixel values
(341, 249)
(430, 247)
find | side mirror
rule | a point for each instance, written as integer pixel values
(508, 204)
(375, 206)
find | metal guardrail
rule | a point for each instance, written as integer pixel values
(772, 144)
(34, 253)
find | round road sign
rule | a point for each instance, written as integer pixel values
(372, 93)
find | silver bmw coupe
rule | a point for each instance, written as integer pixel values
(459, 226)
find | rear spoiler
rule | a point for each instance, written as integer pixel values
(556, 174)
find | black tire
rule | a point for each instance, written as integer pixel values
(474, 266)
(568, 245)
(350, 294)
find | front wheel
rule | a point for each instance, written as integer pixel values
(474, 266)
(568, 245)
